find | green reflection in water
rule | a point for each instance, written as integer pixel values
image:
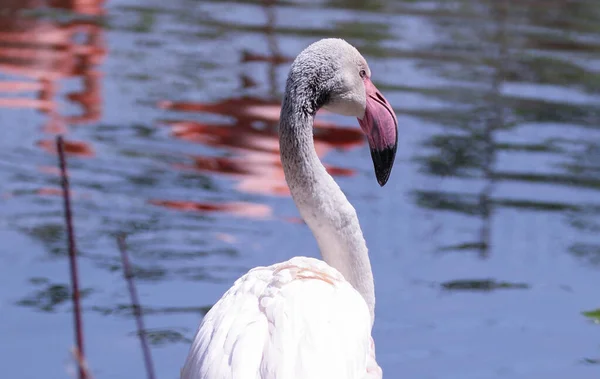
(589, 253)
(593, 315)
(481, 285)
(160, 337)
(127, 310)
(49, 297)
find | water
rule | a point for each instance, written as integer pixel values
(484, 243)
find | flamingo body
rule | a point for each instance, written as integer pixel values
(296, 319)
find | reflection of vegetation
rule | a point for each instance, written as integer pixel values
(159, 273)
(565, 180)
(470, 203)
(366, 5)
(443, 201)
(591, 361)
(149, 273)
(50, 297)
(593, 315)
(159, 337)
(52, 235)
(127, 310)
(494, 47)
(467, 246)
(549, 70)
(481, 285)
(584, 220)
(364, 30)
(458, 155)
(350, 30)
(573, 16)
(540, 111)
(146, 21)
(588, 252)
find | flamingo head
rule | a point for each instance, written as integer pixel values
(340, 81)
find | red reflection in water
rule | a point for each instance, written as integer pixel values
(49, 191)
(77, 148)
(254, 140)
(250, 210)
(51, 170)
(294, 220)
(251, 139)
(245, 108)
(36, 53)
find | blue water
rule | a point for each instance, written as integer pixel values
(484, 243)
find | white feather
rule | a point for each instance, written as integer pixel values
(298, 319)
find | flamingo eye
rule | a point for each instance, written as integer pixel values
(363, 74)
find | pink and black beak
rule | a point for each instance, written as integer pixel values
(381, 127)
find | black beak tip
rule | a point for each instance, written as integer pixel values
(383, 161)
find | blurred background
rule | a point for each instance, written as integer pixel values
(485, 243)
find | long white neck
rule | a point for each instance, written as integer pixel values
(322, 205)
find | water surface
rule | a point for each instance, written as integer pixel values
(484, 243)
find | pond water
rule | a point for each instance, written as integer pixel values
(484, 243)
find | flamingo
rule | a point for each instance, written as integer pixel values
(306, 318)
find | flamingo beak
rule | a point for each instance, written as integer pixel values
(380, 125)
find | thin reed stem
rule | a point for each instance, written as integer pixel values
(81, 362)
(60, 147)
(137, 310)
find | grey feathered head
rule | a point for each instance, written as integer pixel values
(332, 74)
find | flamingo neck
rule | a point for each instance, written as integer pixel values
(321, 202)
